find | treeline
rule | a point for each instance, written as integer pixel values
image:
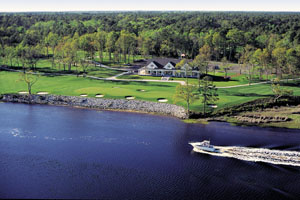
(262, 39)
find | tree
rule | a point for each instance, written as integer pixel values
(278, 91)
(166, 48)
(10, 54)
(2, 53)
(208, 92)
(194, 37)
(29, 78)
(47, 44)
(110, 43)
(248, 61)
(292, 61)
(52, 40)
(84, 64)
(205, 54)
(125, 42)
(132, 47)
(201, 64)
(265, 60)
(279, 56)
(225, 65)
(88, 45)
(235, 38)
(100, 43)
(217, 41)
(60, 55)
(186, 93)
(257, 61)
(183, 64)
(21, 54)
(32, 55)
(70, 53)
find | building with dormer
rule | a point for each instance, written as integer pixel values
(166, 67)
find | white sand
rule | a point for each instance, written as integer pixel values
(42, 93)
(99, 96)
(163, 100)
(213, 106)
(23, 92)
(83, 95)
(130, 98)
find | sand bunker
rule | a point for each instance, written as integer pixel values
(42, 93)
(129, 97)
(213, 106)
(83, 95)
(23, 92)
(99, 96)
(141, 90)
(162, 100)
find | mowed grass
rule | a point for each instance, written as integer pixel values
(75, 86)
(235, 80)
(45, 66)
(234, 96)
(102, 72)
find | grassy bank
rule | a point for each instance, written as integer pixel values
(292, 113)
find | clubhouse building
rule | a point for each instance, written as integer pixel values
(165, 67)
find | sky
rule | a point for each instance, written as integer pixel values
(153, 5)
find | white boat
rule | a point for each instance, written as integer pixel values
(205, 146)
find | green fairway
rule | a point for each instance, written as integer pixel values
(239, 95)
(45, 66)
(236, 80)
(73, 86)
(137, 77)
(102, 72)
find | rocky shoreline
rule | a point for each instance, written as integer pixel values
(103, 104)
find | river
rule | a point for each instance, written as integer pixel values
(63, 152)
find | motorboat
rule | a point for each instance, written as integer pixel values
(205, 146)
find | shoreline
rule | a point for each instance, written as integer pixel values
(122, 105)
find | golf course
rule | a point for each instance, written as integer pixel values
(71, 85)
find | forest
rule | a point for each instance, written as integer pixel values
(265, 41)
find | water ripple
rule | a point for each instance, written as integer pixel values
(17, 132)
(278, 157)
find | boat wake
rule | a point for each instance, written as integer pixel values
(277, 157)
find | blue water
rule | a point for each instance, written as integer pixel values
(63, 152)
